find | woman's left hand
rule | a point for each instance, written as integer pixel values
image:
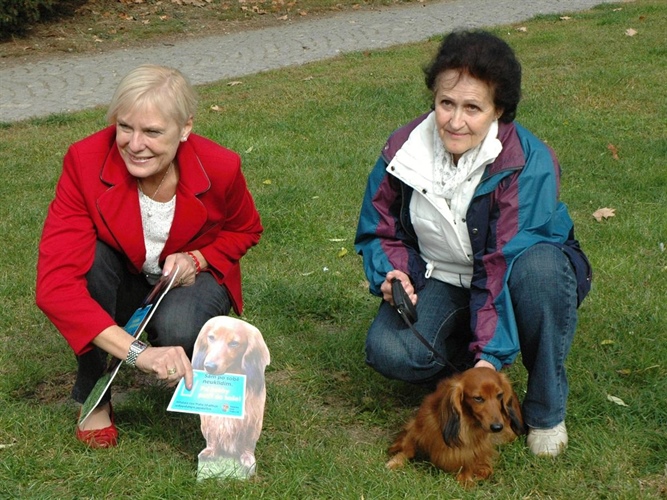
(187, 269)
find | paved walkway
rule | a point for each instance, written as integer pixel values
(77, 82)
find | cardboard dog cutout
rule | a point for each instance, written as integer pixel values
(229, 393)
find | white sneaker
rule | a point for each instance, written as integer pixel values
(547, 442)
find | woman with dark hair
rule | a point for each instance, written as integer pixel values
(462, 208)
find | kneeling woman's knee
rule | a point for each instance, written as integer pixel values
(542, 269)
(174, 328)
(390, 357)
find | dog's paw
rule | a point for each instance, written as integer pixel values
(483, 472)
(466, 478)
(397, 461)
(208, 452)
(247, 459)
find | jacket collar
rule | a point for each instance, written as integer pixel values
(510, 158)
(193, 178)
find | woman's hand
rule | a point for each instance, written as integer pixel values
(405, 281)
(484, 364)
(166, 363)
(187, 267)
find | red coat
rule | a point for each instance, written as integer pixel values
(97, 199)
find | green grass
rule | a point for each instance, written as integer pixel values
(314, 132)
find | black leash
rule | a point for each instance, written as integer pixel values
(407, 311)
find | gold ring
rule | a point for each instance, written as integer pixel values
(171, 371)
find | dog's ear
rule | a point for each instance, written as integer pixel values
(450, 407)
(201, 348)
(512, 408)
(256, 356)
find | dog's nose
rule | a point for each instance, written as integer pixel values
(213, 367)
(496, 427)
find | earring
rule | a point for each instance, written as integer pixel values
(184, 138)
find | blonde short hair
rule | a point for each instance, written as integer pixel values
(166, 88)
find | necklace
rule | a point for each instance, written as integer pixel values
(159, 185)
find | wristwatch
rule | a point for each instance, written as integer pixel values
(136, 348)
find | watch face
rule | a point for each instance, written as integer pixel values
(138, 346)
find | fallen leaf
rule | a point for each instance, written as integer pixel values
(342, 252)
(308, 78)
(234, 84)
(604, 213)
(565, 18)
(267, 182)
(249, 150)
(624, 371)
(336, 239)
(614, 151)
(630, 32)
(283, 18)
(8, 445)
(616, 400)
(215, 107)
(522, 29)
(617, 10)
(607, 342)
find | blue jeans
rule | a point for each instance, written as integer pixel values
(177, 322)
(543, 289)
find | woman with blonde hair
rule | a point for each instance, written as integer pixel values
(134, 201)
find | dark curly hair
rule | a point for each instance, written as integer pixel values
(485, 57)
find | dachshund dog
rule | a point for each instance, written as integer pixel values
(458, 426)
(229, 345)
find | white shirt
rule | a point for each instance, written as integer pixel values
(156, 219)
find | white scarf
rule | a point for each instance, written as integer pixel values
(448, 176)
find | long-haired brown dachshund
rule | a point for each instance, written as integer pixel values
(230, 345)
(458, 426)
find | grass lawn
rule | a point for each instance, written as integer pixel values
(308, 137)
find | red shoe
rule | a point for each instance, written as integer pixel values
(99, 438)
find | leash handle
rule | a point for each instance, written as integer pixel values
(402, 302)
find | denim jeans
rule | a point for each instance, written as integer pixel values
(543, 289)
(177, 322)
